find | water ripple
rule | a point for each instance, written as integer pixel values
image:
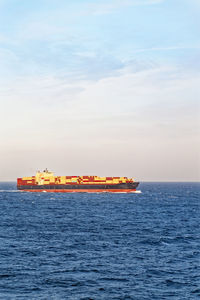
(101, 246)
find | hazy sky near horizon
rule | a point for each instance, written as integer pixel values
(100, 87)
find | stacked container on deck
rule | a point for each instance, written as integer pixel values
(51, 180)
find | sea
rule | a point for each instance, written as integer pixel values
(101, 246)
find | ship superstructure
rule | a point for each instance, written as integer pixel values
(46, 181)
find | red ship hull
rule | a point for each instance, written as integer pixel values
(83, 191)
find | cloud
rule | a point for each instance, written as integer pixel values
(70, 42)
(169, 48)
(130, 100)
(134, 116)
(53, 22)
(114, 5)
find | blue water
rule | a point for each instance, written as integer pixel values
(101, 246)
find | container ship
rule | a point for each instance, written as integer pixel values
(46, 182)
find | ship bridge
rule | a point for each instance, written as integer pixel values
(40, 177)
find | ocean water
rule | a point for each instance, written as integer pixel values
(101, 246)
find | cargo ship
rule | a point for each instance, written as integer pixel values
(46, 182)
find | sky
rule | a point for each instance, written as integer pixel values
(100, 87)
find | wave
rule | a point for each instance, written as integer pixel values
(9, 191)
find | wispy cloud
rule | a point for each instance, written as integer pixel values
(153, 112)
(114, 5)
(170, 48)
